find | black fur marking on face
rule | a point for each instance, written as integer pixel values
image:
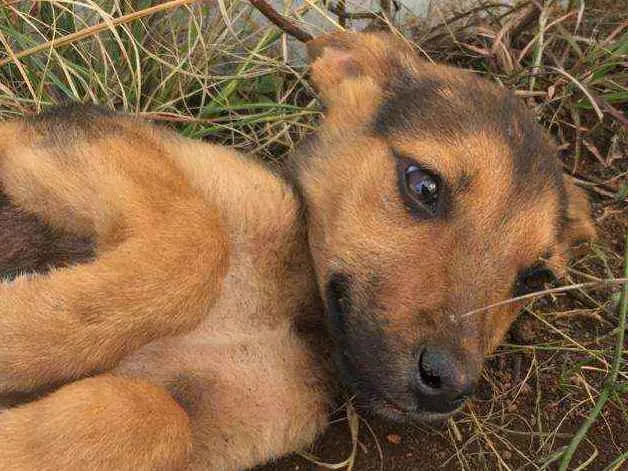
(406, 92)
(468, 105)
(464, 183)
(363, 354)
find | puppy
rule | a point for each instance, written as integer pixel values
(218, 303)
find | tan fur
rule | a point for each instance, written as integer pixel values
(97, 423)
(193, 340)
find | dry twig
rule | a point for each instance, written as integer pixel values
(285, 24)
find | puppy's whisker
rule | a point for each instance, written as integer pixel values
(561, 289)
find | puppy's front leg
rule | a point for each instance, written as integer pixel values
(161, 249)
(74, 321)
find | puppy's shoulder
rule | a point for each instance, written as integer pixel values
(254, 201)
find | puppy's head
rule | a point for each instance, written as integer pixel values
(430, 193)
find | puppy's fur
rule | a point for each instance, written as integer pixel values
(191, 336)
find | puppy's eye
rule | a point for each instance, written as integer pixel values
(535, 278)
(422, 186)
(422, 190)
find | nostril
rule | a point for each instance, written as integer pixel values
(428, 370)
(441, 381)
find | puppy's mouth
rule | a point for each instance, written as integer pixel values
(394, 413)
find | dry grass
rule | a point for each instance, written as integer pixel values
(182, 62)
(214, 70)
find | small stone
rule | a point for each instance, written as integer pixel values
(393, 438)
(506, 455)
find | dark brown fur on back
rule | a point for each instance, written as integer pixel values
(30, 245)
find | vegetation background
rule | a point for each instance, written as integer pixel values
(555, 395)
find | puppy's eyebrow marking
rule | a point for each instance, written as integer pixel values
(409, 98)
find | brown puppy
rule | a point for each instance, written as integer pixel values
(193, 339)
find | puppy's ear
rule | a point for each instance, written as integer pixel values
(579, 222)
(333, 60)
(338, 58)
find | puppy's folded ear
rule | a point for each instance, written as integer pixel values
(579, 222)
(341, 57)
(333, 60)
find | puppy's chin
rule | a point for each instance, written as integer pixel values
(395, 414)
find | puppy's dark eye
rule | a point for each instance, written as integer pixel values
(422, 191)
(422, 186)
(535, 278)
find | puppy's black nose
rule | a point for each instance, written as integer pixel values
(442, 381)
